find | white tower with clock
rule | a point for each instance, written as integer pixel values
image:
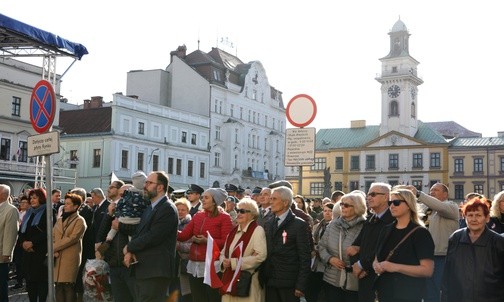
(399, 85)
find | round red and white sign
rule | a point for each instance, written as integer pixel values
(301, 110)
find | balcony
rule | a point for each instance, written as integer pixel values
(257, 174)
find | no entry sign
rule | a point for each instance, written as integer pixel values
(42, 106)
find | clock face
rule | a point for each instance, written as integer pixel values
(394, 91)
(413, 93)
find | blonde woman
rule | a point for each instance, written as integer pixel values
(496, 223)
(403, 275)
(338, 236)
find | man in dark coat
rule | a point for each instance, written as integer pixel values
(287, 266)
(365, 244)
(151, 251)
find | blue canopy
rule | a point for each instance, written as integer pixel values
(16, 36)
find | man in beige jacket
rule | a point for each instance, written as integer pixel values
(9, 217)
(442, 223)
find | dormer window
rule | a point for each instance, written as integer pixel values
(394, 69)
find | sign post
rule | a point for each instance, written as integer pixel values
(300, 142)
(42, 112)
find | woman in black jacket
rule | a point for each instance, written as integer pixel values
(474, 269)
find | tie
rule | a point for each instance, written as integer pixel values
(275, 225)
(375, 219)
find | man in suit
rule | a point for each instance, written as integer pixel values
(153, 245)
(287, 265)
(366, 242)
(100, 209)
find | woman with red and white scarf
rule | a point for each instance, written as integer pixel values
(253, 239)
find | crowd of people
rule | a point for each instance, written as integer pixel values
(389, 244)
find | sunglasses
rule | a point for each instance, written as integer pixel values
(345, 205)
(373, 194)
(242, 211)
(396, 202)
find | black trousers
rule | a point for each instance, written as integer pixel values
(280, 294)
(152, 289)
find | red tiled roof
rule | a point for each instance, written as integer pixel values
(94, 120)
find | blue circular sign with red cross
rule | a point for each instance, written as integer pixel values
(42, 106)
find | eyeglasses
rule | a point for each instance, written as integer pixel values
(242, 211)
(373, 194)
(345, 205)
(396, 202)
(148, 183)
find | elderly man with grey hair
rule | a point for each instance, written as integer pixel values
(100, 209)
(287, 266)
(9, 217)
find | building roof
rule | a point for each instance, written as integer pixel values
(344, 138)
(93, 120)
(478, 142)
(451, 129)
(399, 26)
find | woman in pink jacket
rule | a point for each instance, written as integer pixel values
(214, 220)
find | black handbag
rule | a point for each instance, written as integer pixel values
(243, 284)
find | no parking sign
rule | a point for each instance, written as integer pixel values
(42, 106)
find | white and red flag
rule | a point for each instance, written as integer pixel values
(212, 254)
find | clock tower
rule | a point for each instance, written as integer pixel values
(399, 85)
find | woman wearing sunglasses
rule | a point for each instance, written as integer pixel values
(405, 253)
(339, 282)
(253, 239)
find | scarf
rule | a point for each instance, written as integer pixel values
(227, 275)
(65, 215)
(36, 220)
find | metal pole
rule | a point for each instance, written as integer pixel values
(49, 223)
(300, 189)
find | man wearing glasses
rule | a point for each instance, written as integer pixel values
(151, 252)
(367, 240)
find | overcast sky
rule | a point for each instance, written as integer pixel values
(329, 50)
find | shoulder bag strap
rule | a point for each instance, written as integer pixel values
(400, 242)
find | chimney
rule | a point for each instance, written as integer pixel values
(180, 52)
(95, 102)
(358, 124)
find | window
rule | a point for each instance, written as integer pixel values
(170, 165)
(338, 185)
(184, 137)
(320, 164)
(394, 109)
(236, 161)
(141, 128)
(435, 160)
(354, 162)
(339, 163)
(5, 149)
(178, 168)
(23, 151)
(140, 161)
(249, 115)
(236, 135)
(124, 159)
(478, 188)
(193, 139)
(417, 184)
(417, 160)
(202, 170)
(73, 159)
(217, 132)
(241, 113)
(394, 69)
(96, 158)
(370, 162)
(190, 168)
(231, 110)
(265, 121)
(413, 110)
(459, 165)
(478, 165)
(501, 165)
(459, 192)
(155, 162)
(216, 75)
(393, 161)
(354, 185)
(217, 159)
(16, 106)
(317, 188)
